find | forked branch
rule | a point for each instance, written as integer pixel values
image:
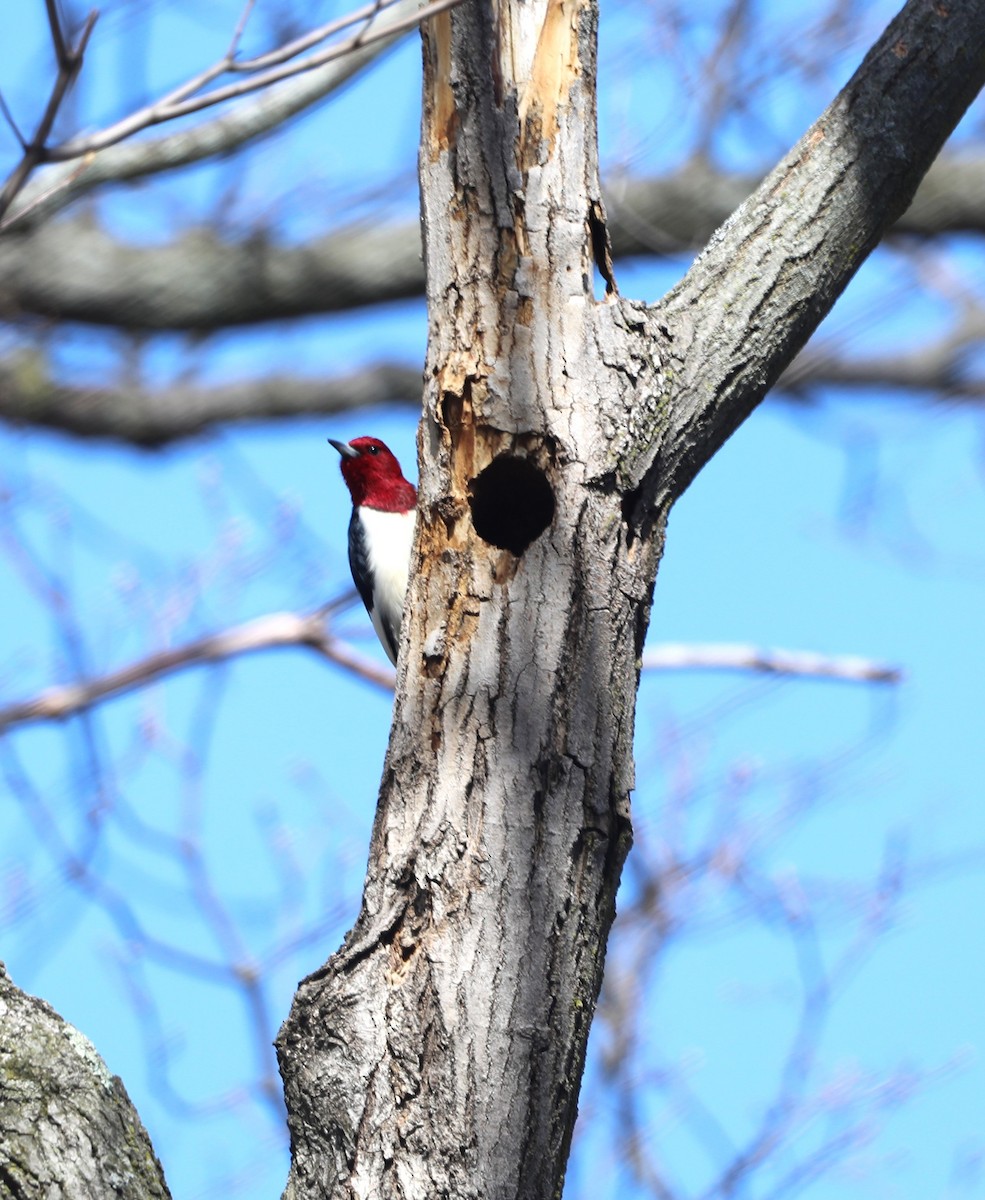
(69, 60)
(197, 94)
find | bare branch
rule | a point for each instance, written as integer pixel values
(31, 395)
(8, 116)
(287, 629)
(938, 366)
(804, 663)
(62, 53)
(827, 230)
(202, 282)
(273, 631)
(198, 282)
(181, 102)
(680, 211)
(240, 29)
(299, 45)
(173, 101)
(59, 185)
(328, 70)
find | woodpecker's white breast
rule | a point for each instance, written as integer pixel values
(387, 542)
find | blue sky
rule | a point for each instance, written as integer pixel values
(852, 525)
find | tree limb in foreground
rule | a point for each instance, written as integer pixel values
(66, 1124)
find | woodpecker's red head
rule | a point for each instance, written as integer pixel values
(373, 476)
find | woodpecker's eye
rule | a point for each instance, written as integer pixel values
(372, 449)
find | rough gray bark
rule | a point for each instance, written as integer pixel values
(67, 1127)
(440, 1051)
(76, 271)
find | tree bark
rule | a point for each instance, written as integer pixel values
(439, 1052)
(67, 1127)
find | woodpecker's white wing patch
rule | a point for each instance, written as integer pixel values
(386, 541)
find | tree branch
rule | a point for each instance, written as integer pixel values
(69, 61)
(273, 631)
(777, 266)
(57, 186)
(66, 1123)
(183, 102)
(76, 271)
(802, 663)
(151, 419)
(285, 630)
(30, 395)
(938, 367)
(282, 96)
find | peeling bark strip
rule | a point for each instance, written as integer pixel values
(439, 1053)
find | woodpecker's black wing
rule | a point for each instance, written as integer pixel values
(390, 635)
(359, 561)
(362, 576)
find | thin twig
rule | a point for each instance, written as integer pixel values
(181, 102)
(69, 63)
(292, 49)
(62, 53)
(9, 118)
(251, 118)
(240, 29)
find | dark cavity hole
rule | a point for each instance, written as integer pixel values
(512, 503)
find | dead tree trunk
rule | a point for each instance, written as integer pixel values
(439, 1053)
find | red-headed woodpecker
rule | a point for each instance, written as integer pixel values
(381, 530)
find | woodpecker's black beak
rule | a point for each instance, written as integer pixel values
(344, 448)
